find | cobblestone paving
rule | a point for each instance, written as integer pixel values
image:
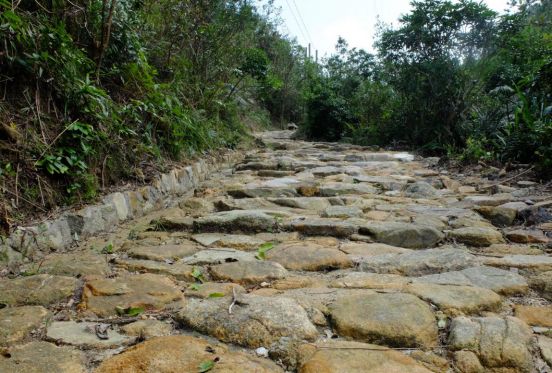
(305, 257)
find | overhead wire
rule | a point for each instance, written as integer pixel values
(297, 21)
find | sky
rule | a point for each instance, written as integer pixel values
(321, 22)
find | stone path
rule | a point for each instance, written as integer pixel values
(306, 257)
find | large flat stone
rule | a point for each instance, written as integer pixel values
(497, 342)
(395, 319)
(178, 270)
(16, 323)
(342, 356)
(363, 280)
(41, 357)
(254, 322)
(37, 290)
(217, 256)
(162, 252)
(543, 284)
(538, 263)
(534, 315)
(452, 298)
(323, 227)
(495, 279)
(476, 236)
(181, 353)
(407, 235)
(75, 264)
(308, 256)
(236, 221)
(249, 272)
(419, 262)
(234, 241)
(149, 291)
(83, 335)
(306, 203)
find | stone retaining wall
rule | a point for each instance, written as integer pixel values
(61, 233)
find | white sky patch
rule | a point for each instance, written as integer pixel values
(354, 20)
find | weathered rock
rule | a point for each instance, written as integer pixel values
(234, 241)
(402, 234)
(495, 279)
(40, 357)
(395, 319)
(503, 215)
(37, 290)
(338, 189)
(255, 321)
(297, 282)
(494, 200)
(507, 249)
(75, 264)
(468, 362)
(149, 291)
(257, 191)
(324, 227)
(452, 298)
(431, 361)
(162, 252)
(341, 356)
(527, 262)
(306, 203)
(217, 256)
(534, 315)
(545, 346)
(236, 221)
(181, 353)
(249, 272)
(543, 284)
(476, 236)
(16, 323)
(196, 205)
(420, 189)
(207, 289)
(358, 249)
(308, 257)
(419, 262)
(147, 329)
(178, 270)
(363, 280)
(83, 335)
(173, 219)
(341, 212)
(526, 236)
(498, 342)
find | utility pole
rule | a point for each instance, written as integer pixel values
(309, 50)
(316, 54)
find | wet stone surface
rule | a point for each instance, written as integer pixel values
(305, 257)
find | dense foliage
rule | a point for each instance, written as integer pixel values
(453, 77)
(98, 91)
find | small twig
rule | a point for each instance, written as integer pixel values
(509, 179)
(54, 141)
(376, 349)
(234, 299)
(17, 186)
(40, 189)
(103, 171)
(26, 200)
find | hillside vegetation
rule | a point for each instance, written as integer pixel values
(453, 78)
(98, 92)
(93, 92)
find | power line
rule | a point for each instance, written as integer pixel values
(296, 21)
(302, 21)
